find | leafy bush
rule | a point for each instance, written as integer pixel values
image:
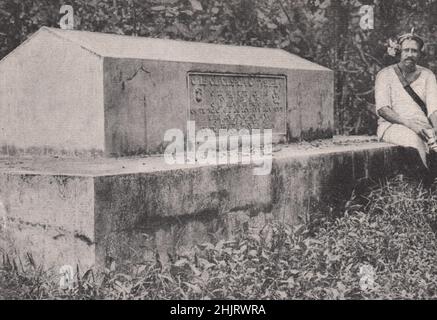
(393, 232)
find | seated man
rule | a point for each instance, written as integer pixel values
(406, 99)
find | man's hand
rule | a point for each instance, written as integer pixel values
(417, 126)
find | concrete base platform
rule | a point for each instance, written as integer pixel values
(68, 212)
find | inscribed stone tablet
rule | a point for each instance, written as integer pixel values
(237, 101)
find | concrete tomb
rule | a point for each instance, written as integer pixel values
(80, 93)
(82, 112)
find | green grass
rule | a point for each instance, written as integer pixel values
(393, 230)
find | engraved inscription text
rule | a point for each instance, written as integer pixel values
(219, 101)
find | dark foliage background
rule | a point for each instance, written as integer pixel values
(323, 31)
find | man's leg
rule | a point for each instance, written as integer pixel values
(432, 157)
(403, 136)
(406, 137)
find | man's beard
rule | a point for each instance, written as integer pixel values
(410, 64)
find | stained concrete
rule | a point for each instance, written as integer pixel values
(90, 212)
(77, 93)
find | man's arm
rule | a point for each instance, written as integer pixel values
(416, 125)
(391, 116)
(433, 119)
(431, 99)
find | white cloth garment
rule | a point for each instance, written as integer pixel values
(389, 92)
(403, 136)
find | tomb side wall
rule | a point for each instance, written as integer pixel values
(310, 105)
(50, 217)
(139, 215)
(144, 98)
(51, 99)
